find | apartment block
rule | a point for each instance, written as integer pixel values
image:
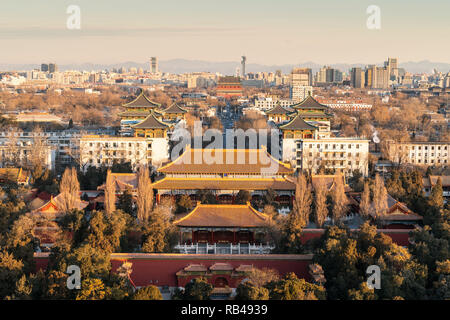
(343, 155)
(97, 150)
(419, 153)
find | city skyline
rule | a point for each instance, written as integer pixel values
(266, 32)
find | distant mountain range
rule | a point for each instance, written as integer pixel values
(229, 68)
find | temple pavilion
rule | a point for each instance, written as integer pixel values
(305, 120)
(279, 114)
(225, 172)
(145, 118)
(151, 127)
(136, 111)
(223, 228)
(396, 216)
(174, 113)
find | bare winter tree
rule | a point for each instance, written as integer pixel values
(12, 154)
(110, 194)
(38, 150)
(364, 204)
(302, 200)
(320, 202)
(74, 153)
(339, 200)
(144, 195)
(379, 197)
(69, 189)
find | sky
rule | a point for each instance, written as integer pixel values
(270, 32)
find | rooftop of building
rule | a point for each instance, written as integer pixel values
(151, 122)
(17, 175)
(141, 101)
(431, 181)
(122, 181)
(278, 109)
(297, 124)
(310, 103)
(223, 215)
(108, 138)
(229, 80)
(226, 161)
(174, 108)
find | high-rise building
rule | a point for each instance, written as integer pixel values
(301, 83)
(244, 59)
(382, 78)
(392, 68)
(377, 77)
(337, 77)
(301, 77)
(52, 67)
(391, 64)
(328, 75)
(357, 75)
(154, 65)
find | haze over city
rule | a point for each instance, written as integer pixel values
(271, 32)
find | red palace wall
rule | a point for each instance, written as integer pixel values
(161, 269)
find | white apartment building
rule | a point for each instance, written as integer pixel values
(66, 143)
(346, 105)
(344, 155)
(21, 154)
(98, 150)
(269, 103)
(419, 153)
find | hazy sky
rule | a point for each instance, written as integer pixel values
(271, 32)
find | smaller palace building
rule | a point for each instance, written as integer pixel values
(223, 229)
